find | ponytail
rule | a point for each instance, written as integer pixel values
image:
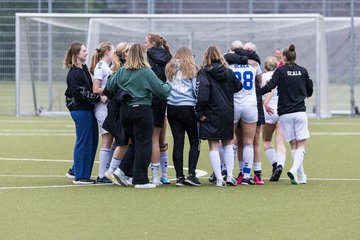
(158, 41)
(98, 54)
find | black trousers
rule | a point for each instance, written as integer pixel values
(183, 119)
(138, 124)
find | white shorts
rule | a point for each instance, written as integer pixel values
(271, 119)
(101, 114)
(247, 113)
(294, 126)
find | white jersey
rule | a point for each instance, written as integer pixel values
(247, 75)
(101, 72)
(274, 100)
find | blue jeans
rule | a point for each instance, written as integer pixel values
(87, 136)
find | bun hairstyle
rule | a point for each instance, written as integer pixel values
(290, 54)
(99, 53)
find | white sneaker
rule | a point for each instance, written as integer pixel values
(120, 177)
(293, 177)
(231, 181)
(220, 183)
(143, 186)
(112, 178)
(129, 181)
(302, 179)
(156, 181)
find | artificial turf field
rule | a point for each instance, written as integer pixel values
(38, 202)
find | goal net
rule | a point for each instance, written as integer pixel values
(42, 41)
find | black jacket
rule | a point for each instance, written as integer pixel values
(78, 94)
(294, 85)
(158, 57)
(215, 87)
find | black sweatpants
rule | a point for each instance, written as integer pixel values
(183, 119)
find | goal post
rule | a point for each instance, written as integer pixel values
(42, 41)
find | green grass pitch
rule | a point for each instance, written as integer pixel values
(38, 202)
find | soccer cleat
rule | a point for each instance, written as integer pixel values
(156, 181)
(120, 177)
(212, 178)
(274, 165)
(302, 179)
(83, 181)
(224, 174)
(231, 181)
(103, 180)
(70, 174)
(220, 183)
(193, 180)
(112, 178)
(129, 181)
(293, 178)
(276, 175)
(165, 180)
(239, 179)
(180, 181)
(248, 181)
(145, 186)
(258, 179)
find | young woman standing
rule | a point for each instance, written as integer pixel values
(294, 85)
(80, 100)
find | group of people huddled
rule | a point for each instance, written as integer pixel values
(133, 90)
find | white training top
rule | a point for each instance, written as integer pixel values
(247, 75)
(274, 100)
(102, 72)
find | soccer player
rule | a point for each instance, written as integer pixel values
(158, 53)
(80, 100)
(181, 73)
(216, 85)
(276, 158)
(100, 69)
(294, 85)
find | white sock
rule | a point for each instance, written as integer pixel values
(292, 153)
(298, 159)
(281, 159)
(271, 155)
(300, 171)
(104, 161)
(221, 153)
(257, 166)
(229, 159)
(114, 164)
(164, 160)
(235, 148)
(215, 163)
(248, 157)
(241, 165)
(155, 169)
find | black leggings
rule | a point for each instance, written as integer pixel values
(183, 119)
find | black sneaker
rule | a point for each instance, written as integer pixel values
(83, 181)
(274, 165)
(70, 174)
(276, 175)
(248, 181)
(212, 178)
(180, 181)
(192, 180)
(224, 174)
(103, 180)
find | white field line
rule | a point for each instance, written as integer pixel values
(36, 134)
(36, 130)
(335, 133)
(34, 121)
(53, 186)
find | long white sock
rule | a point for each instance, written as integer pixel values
(235, 148)
(164, 160)
(248, 157)
(229, 159)
(257, 166)
(300, 171)
(271, 155)
(114, 164)
(241, 166)
(298, 159)
(104, 161)
(281, 157)
(155, 169)
(215, 163)
(221, 153)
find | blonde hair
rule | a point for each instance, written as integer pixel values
(119, 54)
(185, 59)
(213, 54)
(237, 44)
(250, 46)
(270, 63)
(71, 54)
(157, 40)
(136, 58)
(99, 53)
